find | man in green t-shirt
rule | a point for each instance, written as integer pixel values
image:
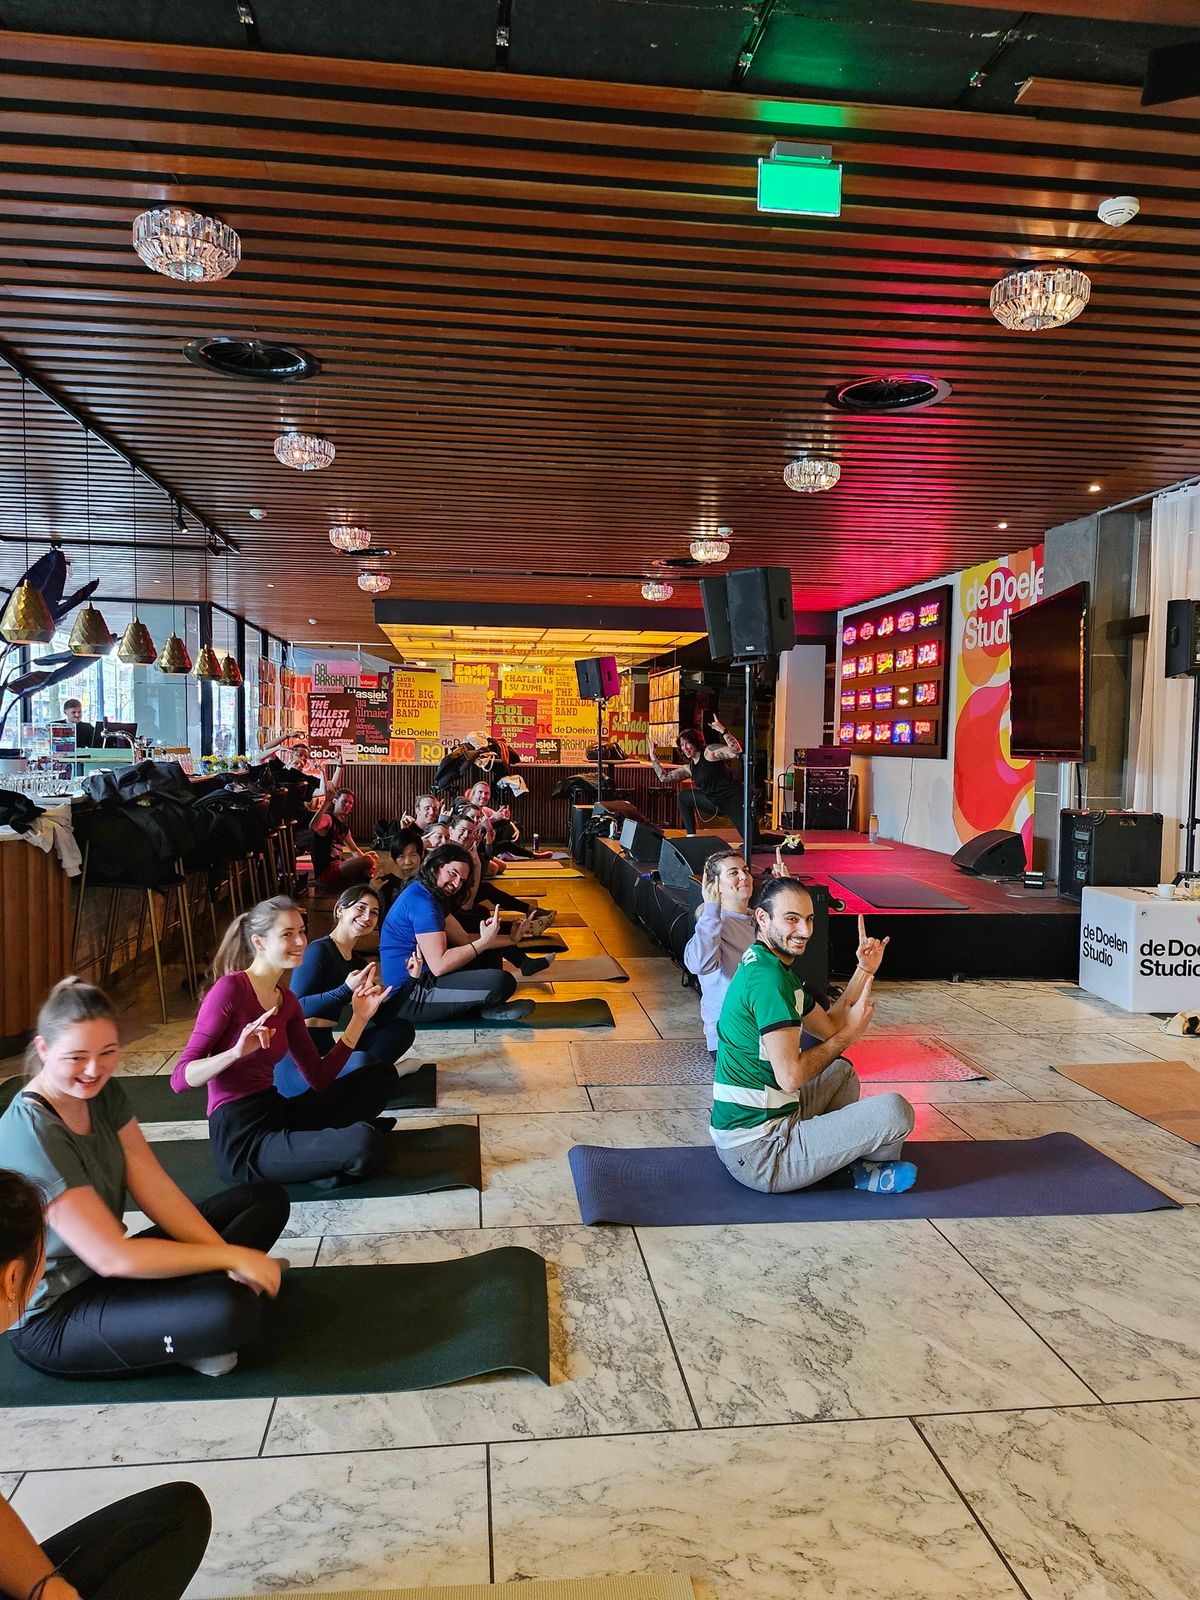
(784, 1117)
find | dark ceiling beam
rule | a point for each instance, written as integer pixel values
(1164, 13)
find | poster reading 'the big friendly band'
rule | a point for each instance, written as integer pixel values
(991, 790)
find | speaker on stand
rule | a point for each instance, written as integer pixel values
(598, 680)
(762, 623)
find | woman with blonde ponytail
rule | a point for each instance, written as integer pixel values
(249, 1020)
(187, 1291)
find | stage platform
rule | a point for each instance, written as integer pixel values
(995, 929)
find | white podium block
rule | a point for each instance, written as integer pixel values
(1138, 951)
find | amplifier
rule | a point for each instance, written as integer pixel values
(825, 797)
(821, 755)
(1107, 849)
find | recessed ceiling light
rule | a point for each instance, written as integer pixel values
(270, 586)
(1002, 524)
(257, 513)
(1094, 488)
(158, 580)
(312, 622)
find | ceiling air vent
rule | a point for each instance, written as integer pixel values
(252, 360)
(886, 396)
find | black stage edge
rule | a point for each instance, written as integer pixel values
(1003, 931)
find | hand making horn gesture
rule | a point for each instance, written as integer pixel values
(870, 951)
(255, 1035)
(369, 996)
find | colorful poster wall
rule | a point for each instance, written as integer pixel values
(991, 790)
(331, 725)
(416, 705)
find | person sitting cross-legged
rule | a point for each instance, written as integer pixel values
(784, 1116)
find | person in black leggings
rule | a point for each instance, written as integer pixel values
(188, 1291)
(714, 790)
(145, 1547)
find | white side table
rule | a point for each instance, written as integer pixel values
(1138, 951)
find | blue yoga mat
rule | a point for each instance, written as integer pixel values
(1057, 1175)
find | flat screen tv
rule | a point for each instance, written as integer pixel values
(1046, 674)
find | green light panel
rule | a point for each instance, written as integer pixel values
(800, 188)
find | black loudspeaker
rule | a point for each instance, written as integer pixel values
(681, 860)
(641, 841)
(996, 854)
(621, 810)
(598, 678)
(761, 620)
(1183, 638)
(714, 593)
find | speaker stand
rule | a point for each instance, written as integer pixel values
(1193, 821)
(600, 705)
(748, 820)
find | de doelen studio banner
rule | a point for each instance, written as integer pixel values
(991, 790)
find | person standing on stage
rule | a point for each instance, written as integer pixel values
(714, 789)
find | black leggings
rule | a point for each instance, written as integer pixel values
(145, 1547)
(107, 1327)
(698, 805)
(327, 1133)
(483, 983)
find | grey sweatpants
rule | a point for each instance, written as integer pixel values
(831, 1128)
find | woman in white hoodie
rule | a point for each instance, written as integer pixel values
(724, 932)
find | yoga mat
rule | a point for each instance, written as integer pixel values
(351, 1330)
(1056, 1175)
(569, 919)
(551, 870)
(856, 846)
(586, 969)
(901, 1060)
(153, 1100)
(420, 1161)
(542, 856)
(640, 1586)
(1166, 1093)
(545, 1014)
(895, 891)
(544, 944)
(638, 1061)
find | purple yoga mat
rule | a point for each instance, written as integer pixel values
(1057, 1175)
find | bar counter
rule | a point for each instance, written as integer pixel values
(387, 789)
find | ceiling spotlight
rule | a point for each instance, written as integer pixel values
(711, 547)
(374, 582)
(811, 474)
(652, 589)
(184, 245)
(304, 451)
(269, 586)
(312, 622)
(1033, 298)
(257, 513)
(1002, 525)
(1095, 488)
(344, 537)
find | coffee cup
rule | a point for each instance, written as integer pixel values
(1166, 891)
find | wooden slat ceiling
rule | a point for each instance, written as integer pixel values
(557, 338)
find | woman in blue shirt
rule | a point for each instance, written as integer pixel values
(326, 983)
(462, 973)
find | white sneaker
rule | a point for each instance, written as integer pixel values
(213, 1366)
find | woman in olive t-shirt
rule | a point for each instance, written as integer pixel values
(184, 1292)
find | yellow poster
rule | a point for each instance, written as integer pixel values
(571, 715)
(416, 705)
(518, 683)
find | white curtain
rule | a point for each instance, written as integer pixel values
(1164, 737)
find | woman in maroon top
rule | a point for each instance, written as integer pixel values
(249, 1020)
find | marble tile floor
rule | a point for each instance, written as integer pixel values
(960, 1410)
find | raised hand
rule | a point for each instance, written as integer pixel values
(717, 727)
(354, 979)
(415, 965)
(858, 1016)
(369, 996)
(255, 1035)
(870, 951)
(489, 930)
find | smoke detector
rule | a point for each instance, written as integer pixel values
(1119, 210)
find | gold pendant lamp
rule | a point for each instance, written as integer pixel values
(174, 659)
(91, 635)
(231, 672)
(26, 618)
(208, 666)
(136, 648)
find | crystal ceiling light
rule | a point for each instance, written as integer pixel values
(374, 582)
(708, 547)
(304, 451)
(652, 589)
(343, 537)
(1033, 298)
(184, 245)
(811, 474)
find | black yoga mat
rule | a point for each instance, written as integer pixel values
(420, 1161)
(351, 1330)
(153, 1100)
(896, 892)
(1056, 1175)
(544, 944)
(545, 1014)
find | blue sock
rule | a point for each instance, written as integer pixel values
(884, 1177)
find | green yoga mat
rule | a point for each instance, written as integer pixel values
(351, 1330)
(420, 1161)
(153, 1100)
(545, 1014)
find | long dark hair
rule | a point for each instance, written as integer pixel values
(433, 863)
(22, 1225)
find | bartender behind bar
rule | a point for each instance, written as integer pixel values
(85, 732)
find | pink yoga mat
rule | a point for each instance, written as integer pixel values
(901, 1060)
